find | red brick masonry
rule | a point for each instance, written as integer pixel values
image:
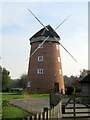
(51, 65)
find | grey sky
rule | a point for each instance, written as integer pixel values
(18, 25)
(89, 35)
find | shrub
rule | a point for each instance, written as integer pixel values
(70, 90)
(78, 90)
(19, 90)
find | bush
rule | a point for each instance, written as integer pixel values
(78, 90)
(19, 90)
(70, 90)
(6, 90)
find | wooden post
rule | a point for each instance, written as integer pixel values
(60, 109)
(28, 118)
(42, 116)
(37, 117)
(23, 118)
(49, 114)
(46, 113)
(55, 112)
(33, 117)
(52, 113)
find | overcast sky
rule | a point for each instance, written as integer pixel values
(18, 25)
(89, 35)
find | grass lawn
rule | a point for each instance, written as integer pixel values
(9, 96)
(10, 111)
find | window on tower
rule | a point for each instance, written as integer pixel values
(40, 46)
(29, 84)
(60, 71)
(57, 47)
(39, 71)
(40, 58)
(58, 59)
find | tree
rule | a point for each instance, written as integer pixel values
(6, 79)
(75, 83)
(68, 80)
(70, 90)
(23, 81)
(0, 78)
(84, 72)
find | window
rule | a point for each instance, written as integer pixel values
(58, 59)
(60, 71)
(29, 84)
(39, 71)
(40, 46)
(57, 47)
(40, 58)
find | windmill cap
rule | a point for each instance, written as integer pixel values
(45, 33)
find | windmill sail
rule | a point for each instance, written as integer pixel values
(50, 34)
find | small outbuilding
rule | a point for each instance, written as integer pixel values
(85, 89)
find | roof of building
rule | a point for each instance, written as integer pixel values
(45, 33)
(86, 79)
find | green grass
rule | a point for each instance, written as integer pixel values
(9, 110)
(17, 88)
(9, 96)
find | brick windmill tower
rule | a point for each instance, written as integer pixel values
(45, 66)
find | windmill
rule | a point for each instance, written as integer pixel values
(45, 67)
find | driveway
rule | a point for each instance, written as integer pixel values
(33, 105)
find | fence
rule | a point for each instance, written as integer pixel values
(49, 114)
(74, 108)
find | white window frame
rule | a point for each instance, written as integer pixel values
(57, 47)
(40, 58)
(39, 71)
(40, 46)
(29, 84)
(59, 60)
(60, 72)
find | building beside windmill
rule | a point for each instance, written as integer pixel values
(85, 88)
(45, 67)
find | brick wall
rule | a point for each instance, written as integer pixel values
(51, 65)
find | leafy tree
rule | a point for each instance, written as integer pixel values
(70, 90)
(6, 79)
(23, 81)
(73, 77)
(15, 83)
(84, 72)
(75, 83)
(0, 73)
(0, 78)
(68, 80)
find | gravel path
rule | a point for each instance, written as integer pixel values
(33, 105)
